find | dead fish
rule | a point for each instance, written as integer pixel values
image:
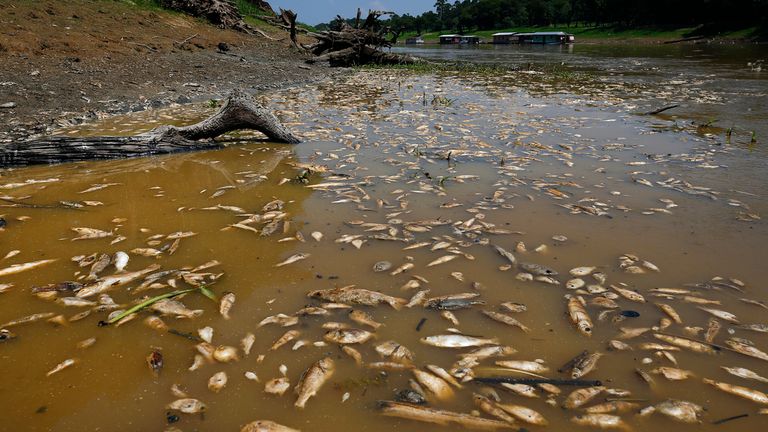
(514, 307)
(489, 407)
(435, 385)
(444, 375)
(713, 327)
(84, 233)
(402, 269)
(357, 295)
(280, 319)
(574, 284)
(363, 318)
(313, 379)
(61, 366)
(348, 336)
(175, 308)
(524, 390)
(579, 316)
(395, 351)
(28, 319)
(101, 263)
(441, 417)
(523, 365)
(187, 406)
(727, 316)
(418, 299)
(390, 366)
(682, 411)
(616, 406)
(246, 343)
(226, 303)
(629, 294)
(217, 382)
(761, 328)
(155, 323)
(382, 266)
(12, 253)
(293, 258)
(616, 345)
(537, 269)
(155, 362)
(443, 259)
(277, 386)
(457, 341)
(112, 281)
(670, 311)
(6, 335)
(147, 252)
(508, 255)
(629, 332)
(741, 348)
(505, 319)
(18, 268)
(744, 392)
(524, 414)
(581, 271)
(582, 396)
(284, 339)
(602, 421)
(452, 302)
(120, 260)
(206, 334)
(75, 302)
(225, 354)
(58, 287)
(744, 373)
(673, 374)
(584, 364)
(685, 343)
(353, 353)
(266, 426)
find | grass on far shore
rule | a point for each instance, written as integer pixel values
(593, 33)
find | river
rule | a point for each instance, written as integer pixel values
(432, 173)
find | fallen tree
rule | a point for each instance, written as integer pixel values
(240, 111)
(223, 13)
(348, 45)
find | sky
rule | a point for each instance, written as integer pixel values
(319, 11)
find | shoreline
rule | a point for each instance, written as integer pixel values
(64, 66)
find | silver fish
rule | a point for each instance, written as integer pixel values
(313, 379)
(457, 341)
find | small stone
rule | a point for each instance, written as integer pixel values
(8, 105)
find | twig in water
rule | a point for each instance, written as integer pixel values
(727, 419)
(532, 381)
(421, 323)
(661, 110)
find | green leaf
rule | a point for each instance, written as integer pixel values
(208, 293)
(146, 304)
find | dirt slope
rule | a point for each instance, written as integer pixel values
(65, 59)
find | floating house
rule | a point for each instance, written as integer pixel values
(547, 38)
(470, 40)
(450, 39)
(506, 38)
(414, 40)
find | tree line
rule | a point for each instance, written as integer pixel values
(467, 15)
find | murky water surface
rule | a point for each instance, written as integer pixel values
(391, 160)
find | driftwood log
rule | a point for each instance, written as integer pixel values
(349, 45)
(240, 111)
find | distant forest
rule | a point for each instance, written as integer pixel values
(467, 15)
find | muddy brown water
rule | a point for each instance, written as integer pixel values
(509, 149)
